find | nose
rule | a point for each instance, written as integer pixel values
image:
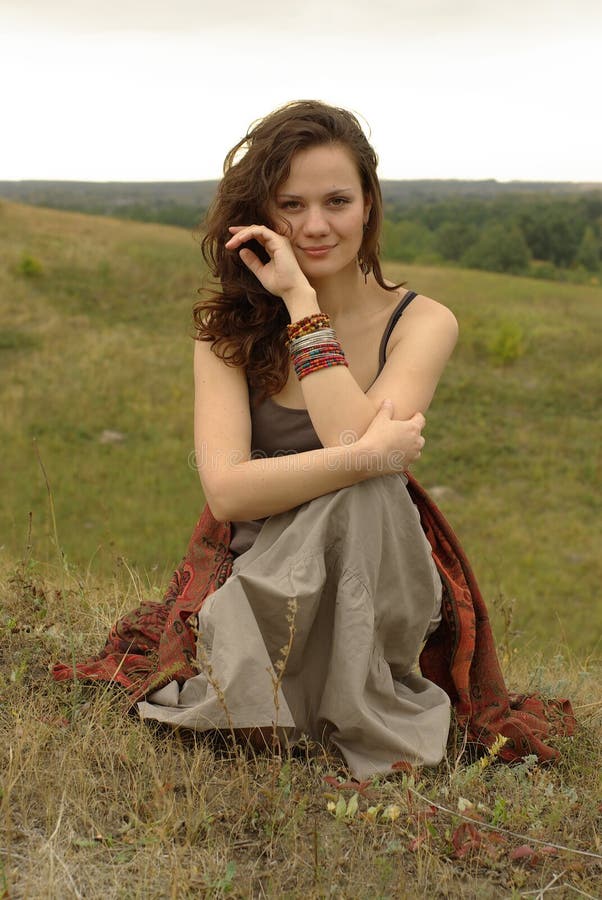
(315, 222)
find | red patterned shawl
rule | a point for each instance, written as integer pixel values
(154, 644)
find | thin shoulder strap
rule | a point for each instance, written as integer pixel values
(392, 323)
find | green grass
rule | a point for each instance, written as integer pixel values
(99, 340)
(94, 336)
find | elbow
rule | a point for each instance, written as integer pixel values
(221, 509)
(218, 513)
(350, 434)
(216, 500)
(224, 499)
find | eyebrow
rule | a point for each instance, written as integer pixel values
(329, 194)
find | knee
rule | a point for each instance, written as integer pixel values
(379, 489)
(365, 506)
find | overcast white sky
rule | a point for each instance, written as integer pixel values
(148, 90)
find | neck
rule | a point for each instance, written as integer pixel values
(343, 295)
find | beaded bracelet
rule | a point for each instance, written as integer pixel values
(319, 353)
(313, 345)
(315, 337)
(318, 356)
(319, 364)
(320, 359)
(307, 325)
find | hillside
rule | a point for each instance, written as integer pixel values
(96, 356)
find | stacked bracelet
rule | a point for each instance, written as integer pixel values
(313, 345)
(308, 325)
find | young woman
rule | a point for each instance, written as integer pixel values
(311, 476)
(310, 576)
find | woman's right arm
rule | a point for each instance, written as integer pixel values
(237, 487)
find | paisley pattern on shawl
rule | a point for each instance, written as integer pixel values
(155, 643)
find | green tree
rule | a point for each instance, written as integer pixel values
(499, 249)
(405, 241)
(552, 230)
(453, 239)
(588, 254)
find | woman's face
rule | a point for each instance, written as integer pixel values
(323, 203)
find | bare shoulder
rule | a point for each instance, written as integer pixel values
(425, 307)
(425, 315)
(221, 392)
(420, 346)
(211, 369)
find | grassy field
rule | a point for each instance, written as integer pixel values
(94, 340)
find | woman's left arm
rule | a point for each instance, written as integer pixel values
(340, 410)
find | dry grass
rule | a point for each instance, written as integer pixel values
(95, 803)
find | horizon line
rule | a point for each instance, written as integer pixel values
(487, 180)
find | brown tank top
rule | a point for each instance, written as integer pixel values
(280, 430)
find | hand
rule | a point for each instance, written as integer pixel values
(282, 275)
(390, 444)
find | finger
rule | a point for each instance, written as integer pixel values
(251, 261)
(235, 229)
(246, 232)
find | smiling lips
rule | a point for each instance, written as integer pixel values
(318, 251)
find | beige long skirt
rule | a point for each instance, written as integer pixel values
(346, 583)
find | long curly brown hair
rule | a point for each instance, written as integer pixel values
(244, 321)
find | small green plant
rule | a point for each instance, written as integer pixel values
(344, 809)
(13, 339)
(545, 270)
(104, 271)
(225, 883)
(29, 266)
(521, 770)
(507, 343)
(500, 811)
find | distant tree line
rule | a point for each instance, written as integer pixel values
(549, 237)
(544, 230)
(181, 203)
(165, 214)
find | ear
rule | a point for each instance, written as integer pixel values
(367, 207)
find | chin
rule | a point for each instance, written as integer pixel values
(326, 268)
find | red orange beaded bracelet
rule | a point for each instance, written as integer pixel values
(313, 345)
(307, 325)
